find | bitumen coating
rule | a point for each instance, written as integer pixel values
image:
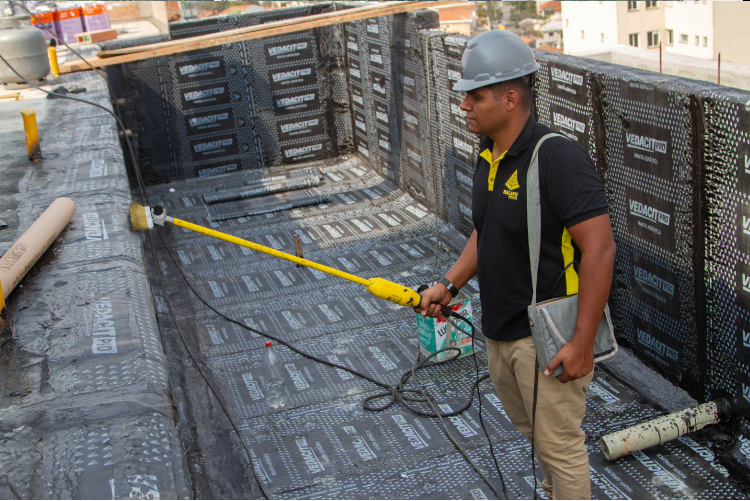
(151, 418)
(324, 444)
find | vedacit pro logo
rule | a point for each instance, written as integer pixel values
(285, 49)
(413, 155)
(288, 75)
(659, 347)
(202, 94)
(308, 455)
(564, 122)
(302, 150)
(189, 69)
(299, 125)
(564, 76)
(294, 100)
(208, 119)
(463, 145)
(456, 42)
(212, 145)
(409, 118)
(647, 212)
(409, 432)
(652, 280)
(645, 143)
(746, 283)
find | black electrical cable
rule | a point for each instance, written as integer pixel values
(396, 393)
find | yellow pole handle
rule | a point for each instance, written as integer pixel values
(270, 251)
(32, 135)
(53, 61)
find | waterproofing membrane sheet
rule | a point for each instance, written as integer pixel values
(86, 410)
(674, 185)
(324, 444)
(673, 181)
(204, 112)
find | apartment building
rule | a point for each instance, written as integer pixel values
(700, 29)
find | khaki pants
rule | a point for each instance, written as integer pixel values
(558, 438)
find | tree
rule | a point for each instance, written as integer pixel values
(522, 10)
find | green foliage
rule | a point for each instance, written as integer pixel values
(522, 10)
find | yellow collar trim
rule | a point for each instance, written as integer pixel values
(487, 155)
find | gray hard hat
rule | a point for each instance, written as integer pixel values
(495, 56)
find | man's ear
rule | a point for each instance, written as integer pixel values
(511, 99)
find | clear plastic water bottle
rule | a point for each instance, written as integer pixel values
(273, 378)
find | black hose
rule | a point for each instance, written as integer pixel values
(397, 392)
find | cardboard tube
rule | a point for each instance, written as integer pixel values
(19, 259)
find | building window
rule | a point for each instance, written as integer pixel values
(581, 34)
(632, 5)
(633, 39)
(683, 38)
(705, 41)
(652, 5)
(653, 38)
(602, 37)
(670, 37)
(697, 38)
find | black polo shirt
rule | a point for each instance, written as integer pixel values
(571, 192)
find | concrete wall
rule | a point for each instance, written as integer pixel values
(732, 31)
(594, 19)
(691, 19)
(732, 75)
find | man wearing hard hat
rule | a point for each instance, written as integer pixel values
(497, 70)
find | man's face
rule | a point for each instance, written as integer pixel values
(484, 114)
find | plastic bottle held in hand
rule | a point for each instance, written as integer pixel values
(273, 378)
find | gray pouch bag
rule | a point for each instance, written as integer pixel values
(553, 322)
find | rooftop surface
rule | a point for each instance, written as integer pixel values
(160, 419)
(324, 444)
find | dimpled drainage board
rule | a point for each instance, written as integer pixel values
(324, 444)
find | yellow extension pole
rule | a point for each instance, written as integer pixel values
(270, 251)
(53, 61)
(32, 135)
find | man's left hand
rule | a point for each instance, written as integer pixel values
(577, 361)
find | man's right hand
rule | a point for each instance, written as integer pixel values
(432, 298)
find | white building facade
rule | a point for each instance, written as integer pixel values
(589, 25)
(700, 29)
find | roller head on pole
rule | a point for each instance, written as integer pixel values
(140, 217)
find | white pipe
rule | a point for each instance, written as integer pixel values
(663, 429)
